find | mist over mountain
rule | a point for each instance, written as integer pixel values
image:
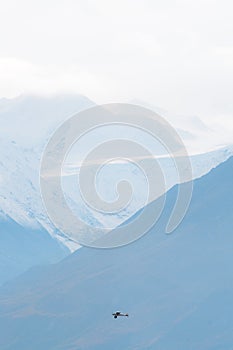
(27, 237)
(176, 288)
(27, 122)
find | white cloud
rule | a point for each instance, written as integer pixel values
(19, 76)
(174, 54)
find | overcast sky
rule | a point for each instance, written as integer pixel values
(177, 55)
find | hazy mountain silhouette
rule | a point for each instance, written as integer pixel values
(176, 288)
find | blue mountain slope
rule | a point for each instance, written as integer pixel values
(22, 248)
(177, 289)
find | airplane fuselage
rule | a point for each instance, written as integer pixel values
(118, 314)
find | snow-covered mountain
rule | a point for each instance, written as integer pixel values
(176, 288)
(198, 134)
(27, 123)
(30, 120)
(112, 173)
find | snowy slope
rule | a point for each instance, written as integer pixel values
(27, 123)
(30, 120)
(177, 288)
(112, 173)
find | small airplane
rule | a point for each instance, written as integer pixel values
(118, 313)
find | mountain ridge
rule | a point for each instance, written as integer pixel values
(163, 281)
